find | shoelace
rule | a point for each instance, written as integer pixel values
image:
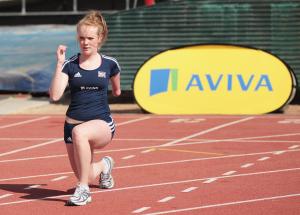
(105, 178)
(79, 191)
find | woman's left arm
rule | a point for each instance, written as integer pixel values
(115, 84)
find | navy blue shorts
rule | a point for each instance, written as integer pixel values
(69, 127)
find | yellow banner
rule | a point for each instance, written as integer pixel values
(213, 79)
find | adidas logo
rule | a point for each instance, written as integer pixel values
(77, 75)
(69, 139)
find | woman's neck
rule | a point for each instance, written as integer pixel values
(90, 62)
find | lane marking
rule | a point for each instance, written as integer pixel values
(128, 157)
(134, 120)
(140, 210)
(147, 147)
(294, 147)
(59, 178)
(24, 122)
(207, 131)
(155, 185)
(269, 141)
(146, 139)
(151, 164)
(6, 195)
(279, 152)
(55, 140)
(270, 136)
(166, 199)
(32, 186)
(210, 180)
(26, 138)
(130, 115)
(263, 158)
(33, 158)
(190, 189)
(229, 173)
(226, 204)
(247, 165)
(32, 147)
(148, 150)
(289, 121)
(187, 120)
(244, 139)
(188, 151)
(35, 176)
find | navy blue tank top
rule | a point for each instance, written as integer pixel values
(89, 88)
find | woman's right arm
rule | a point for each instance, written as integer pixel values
(59, 80)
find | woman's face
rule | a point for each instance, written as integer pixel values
(89, 39)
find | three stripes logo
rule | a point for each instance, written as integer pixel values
(162, 80)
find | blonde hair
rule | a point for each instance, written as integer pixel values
(95, 18)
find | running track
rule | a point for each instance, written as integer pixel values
(164, 165)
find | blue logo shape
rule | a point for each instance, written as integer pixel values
(159, 80)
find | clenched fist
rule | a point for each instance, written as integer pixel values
(61, 54)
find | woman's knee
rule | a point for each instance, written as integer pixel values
(78, 135)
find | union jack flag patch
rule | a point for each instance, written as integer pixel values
(101, 74)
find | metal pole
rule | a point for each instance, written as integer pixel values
(23, 7)
(74, 5)
(127, 4)
(135, 3)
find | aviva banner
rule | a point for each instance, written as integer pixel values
(213, 79)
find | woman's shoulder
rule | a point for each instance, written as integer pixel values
(73, 59)
(110, 61)
(109, 58)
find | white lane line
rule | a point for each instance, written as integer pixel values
(140, 210)
(32, 147)
(33, 158)
(263, 158)
(134, 120)
(150, 164)
(156, 185)
(244, 139)
(128, 157)
(207, 131)
(59, 178)
(247, 165)
(209, 180)
(25, 138)
(32, 186)
(294, 147)
(127, 149)
(226, 204)
(166, 199)
(55, 140)
(147, 139)
(24, 122)
(269, 141)
(147, 151)
(229, 173)
(6, 195)
(35, 176)
(190, 189)
(279, 152)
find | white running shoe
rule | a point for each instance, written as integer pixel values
(80, 197)
(106, 181)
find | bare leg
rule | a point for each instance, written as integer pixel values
(70, 151)
(95, 167)
(86, 137)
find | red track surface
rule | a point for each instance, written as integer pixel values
(164, 164)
